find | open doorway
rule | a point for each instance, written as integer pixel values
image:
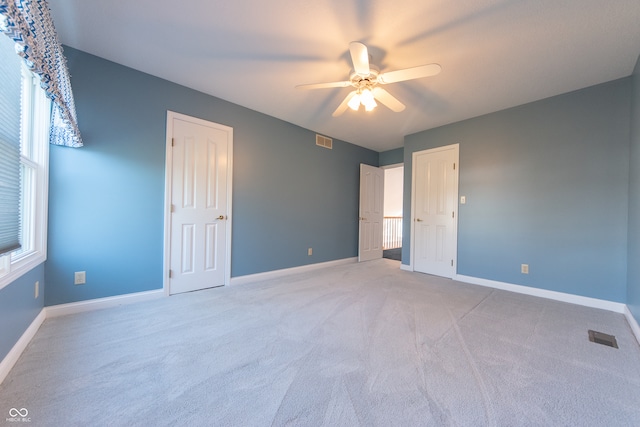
(392, 222)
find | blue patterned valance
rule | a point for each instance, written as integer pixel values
(29, 24)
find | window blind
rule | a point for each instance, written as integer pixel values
(10, 88)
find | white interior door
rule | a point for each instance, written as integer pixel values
(199, 229)
(435, 211)
(371, 212)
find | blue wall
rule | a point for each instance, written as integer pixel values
(19, 307)
(391, 157)
(546, 184)
(107, 198)
(633, 290)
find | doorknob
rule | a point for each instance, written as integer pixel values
(418, 220)
(363, 219)
(221, 217)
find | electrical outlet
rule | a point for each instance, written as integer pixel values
(310, 251)
(37, 290)
(80, 278)
(524, 269)
(463, 200)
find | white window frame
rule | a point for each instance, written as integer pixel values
(34, 146)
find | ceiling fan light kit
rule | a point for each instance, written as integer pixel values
(364, 97)
(354, 103)
(366, 78)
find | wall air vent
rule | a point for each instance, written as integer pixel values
(604, 339)
(323, 141)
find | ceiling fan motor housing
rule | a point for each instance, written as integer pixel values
(368, 82)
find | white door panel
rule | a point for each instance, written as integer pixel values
(199, 205)
(371, 212)
(435, 199)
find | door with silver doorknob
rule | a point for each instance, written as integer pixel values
(371, 212)
(434, 229)
(200, 203)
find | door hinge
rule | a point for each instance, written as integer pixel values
(453, 214)
(454, 166)
(170, 274)
(173, 208)
(173, 142)
(451, 263)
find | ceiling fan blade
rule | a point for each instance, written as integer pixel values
(360, 58)
(323, 85)
(409, 73)
(387, 99)
(344, 105)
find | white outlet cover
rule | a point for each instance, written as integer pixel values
(80, 278)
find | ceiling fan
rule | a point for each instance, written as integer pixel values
(365, 79)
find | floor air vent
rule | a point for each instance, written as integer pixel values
(604, 339)
(323, 141)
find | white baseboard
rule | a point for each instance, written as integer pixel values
(99, 303)
(14, 354)
(406, 267)
(632, 323)
(543, 293)
(249, 278)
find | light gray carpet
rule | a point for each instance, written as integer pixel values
(356, 345)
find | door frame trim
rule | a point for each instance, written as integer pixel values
(171, 115)
(415, 154)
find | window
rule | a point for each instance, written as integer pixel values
(35, 115)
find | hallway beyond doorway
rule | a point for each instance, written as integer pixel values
(392, 225)
(395, 254)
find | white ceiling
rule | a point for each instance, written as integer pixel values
(494, 54)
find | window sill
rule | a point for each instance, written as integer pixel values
(21, 267)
